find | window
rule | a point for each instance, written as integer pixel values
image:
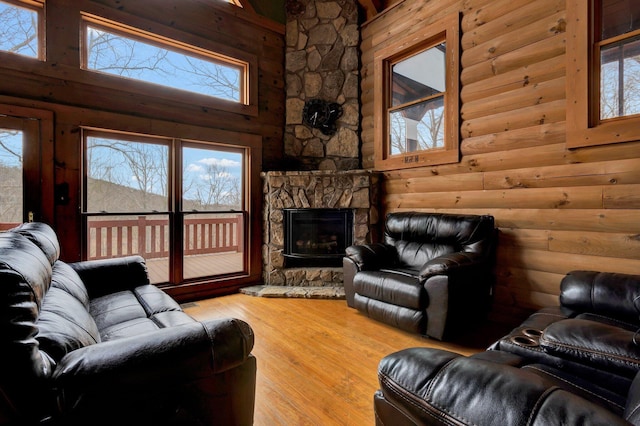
(130, 53)
(26, 165)
(603, 53)
(22, 28)
(11, 173)
(416, 98)
(179, 204)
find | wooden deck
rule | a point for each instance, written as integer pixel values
(196, 266)
(317, 358)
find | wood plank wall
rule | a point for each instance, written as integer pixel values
(557, 209)
(78, 97)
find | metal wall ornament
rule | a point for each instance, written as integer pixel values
(322, 115)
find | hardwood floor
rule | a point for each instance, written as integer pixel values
(317, 358)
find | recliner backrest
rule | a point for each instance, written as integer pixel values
(43, 236)
(603, 293)
(44, 312)
(25, 278)
(420, 237)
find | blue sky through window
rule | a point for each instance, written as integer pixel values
(144, 166)
(18, 30)
(131, 58)
(10, 148)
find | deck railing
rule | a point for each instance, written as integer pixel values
(5, 226)
(149, 237)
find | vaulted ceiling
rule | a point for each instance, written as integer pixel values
(274, 9)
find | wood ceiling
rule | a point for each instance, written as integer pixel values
(370, 7)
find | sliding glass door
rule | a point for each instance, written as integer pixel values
(212, 200)
(179, 204)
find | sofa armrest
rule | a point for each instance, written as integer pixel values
(432, 386)
(604, 346)
(371, 257)
(461, 283)
(167, 357)
(105, 276)
(603, 293)
(197, 348)
(458, 262)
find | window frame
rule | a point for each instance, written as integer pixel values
(446, 30)
(38, 161)
(174, 209)
(249, 90)
(584, 127)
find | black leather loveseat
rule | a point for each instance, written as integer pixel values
(430, 274)
(576, 364)
(93, 343)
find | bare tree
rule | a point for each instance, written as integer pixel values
(130, 57)
(432, 122)
(216, 188)
(7, 149)
(140, 165)
(18, 30)
(10, 177)
(115, 54)
(620, 87)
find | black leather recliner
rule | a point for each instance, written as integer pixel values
(574, 364)
(93, 343)
(431, 273)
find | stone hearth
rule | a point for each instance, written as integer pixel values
(353, 189)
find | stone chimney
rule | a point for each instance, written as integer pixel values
(322, 62)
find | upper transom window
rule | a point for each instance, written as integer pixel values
(130, 53)
(21, 28)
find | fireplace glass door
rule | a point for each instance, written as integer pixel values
(317, 237)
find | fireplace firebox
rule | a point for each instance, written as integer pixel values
(316, 237)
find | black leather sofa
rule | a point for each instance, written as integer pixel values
(93, 343)
(429, 275)
(575, 364)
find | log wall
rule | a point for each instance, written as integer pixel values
(557, 209)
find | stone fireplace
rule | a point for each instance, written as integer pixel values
(353, 190)
(322, 63)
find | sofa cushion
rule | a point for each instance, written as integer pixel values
(64, 324)
(133, 312)
(581, 386)
(65, 278)
(396, 288)
(115, 309)
(416, 254)
(155, 300)
(43, 236)
(411, 320)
